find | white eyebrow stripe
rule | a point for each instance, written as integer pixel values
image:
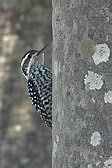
(24, 59)
(23, 63)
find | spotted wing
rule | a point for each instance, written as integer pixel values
(46, 98)
(35, 95)
(45, 92)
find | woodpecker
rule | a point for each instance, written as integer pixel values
(39, 83)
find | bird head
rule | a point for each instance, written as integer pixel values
(31, 58)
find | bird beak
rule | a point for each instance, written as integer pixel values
(42, 49)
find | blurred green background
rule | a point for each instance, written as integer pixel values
(25, 141)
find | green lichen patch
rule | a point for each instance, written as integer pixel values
(87, 48)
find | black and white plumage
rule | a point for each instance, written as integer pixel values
(39, 83)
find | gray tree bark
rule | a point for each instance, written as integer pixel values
(82, 89)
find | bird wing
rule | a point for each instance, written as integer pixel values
(45, 92)
(46, 96)
(35, 93)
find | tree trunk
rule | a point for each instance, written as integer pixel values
(82, 89)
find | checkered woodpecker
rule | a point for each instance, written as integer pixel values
(39, 83)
